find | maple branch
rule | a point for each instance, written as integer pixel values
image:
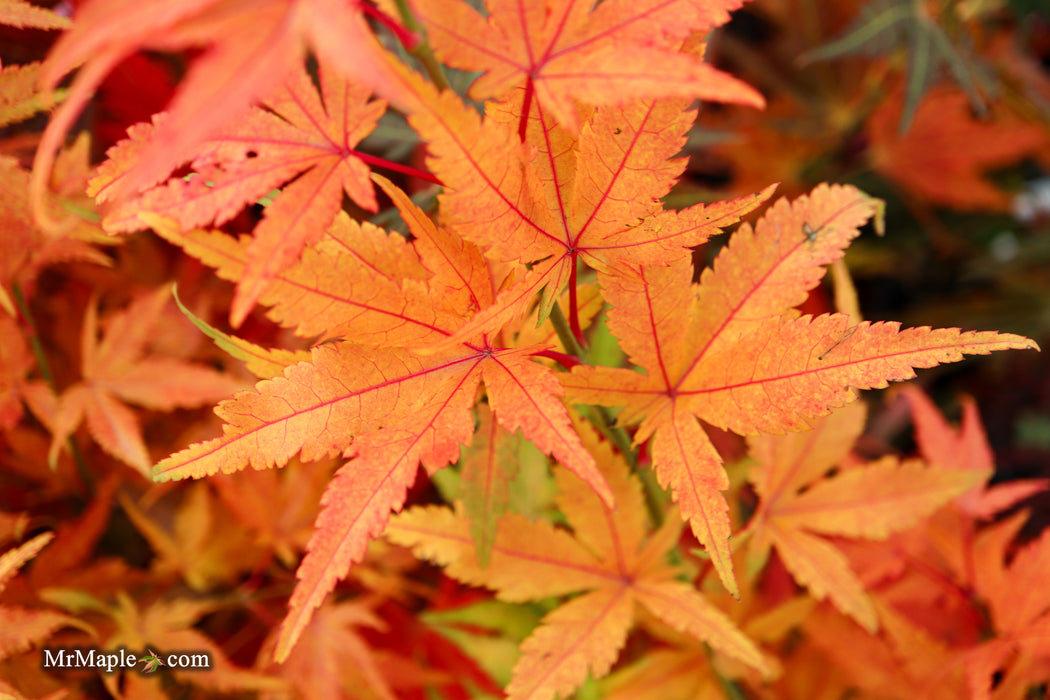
(422, 50)
(45, 372)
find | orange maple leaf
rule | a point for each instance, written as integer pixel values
(19, 96)
(72, 558)
(610, 559)
(333, 660)
(870, 501)
(279, 508)
(727, 351)
(1006, 656)
(387, 406)
(944, 154)
(20, 13)
(114, 371)
(564, 51)
(168, 625)
(1018, 601)
(966, 448)
(562, 198)
(22, 628)
(357, 281)
(204, 544)
(24, 249)
(298, 137)
(252, 48)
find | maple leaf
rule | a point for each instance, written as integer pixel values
(278, 507)
(919, 577)
(20, 13)
(871, 502)
(728, 352)
(486, 471)
(151, 662)
(564, 51)
(1019, 607)
(205, 546)
(387, 408)
(333, 659)
(12, 526)
(168, 625)
(264, 363)
(609, 558)
(13, 560)
(944, 154)
(297, 137)
(22, 628)
(24, 249)
(71, 558)
(1006, 656)
(252, 48)
(356, 281)
(19, 98)
(966, 448)
(593, 198)
(885, 25)
(114, 371)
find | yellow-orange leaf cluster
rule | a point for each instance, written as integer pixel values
(539, 339)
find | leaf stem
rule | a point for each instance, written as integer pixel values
(396, 167)
(523, 121)
(563, 359)
(574, 306)
(408, 38)
(422, 50)
(565, 334)
(655, 495)
(618, 435)
(600, 416)
(45, 372)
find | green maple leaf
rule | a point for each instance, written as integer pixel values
(152, 662)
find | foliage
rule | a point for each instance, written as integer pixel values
(515, 422)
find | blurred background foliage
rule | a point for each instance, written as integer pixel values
(942, 109)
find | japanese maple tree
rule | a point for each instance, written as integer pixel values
(536, 338)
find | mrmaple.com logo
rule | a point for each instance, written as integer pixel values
(110, 661)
